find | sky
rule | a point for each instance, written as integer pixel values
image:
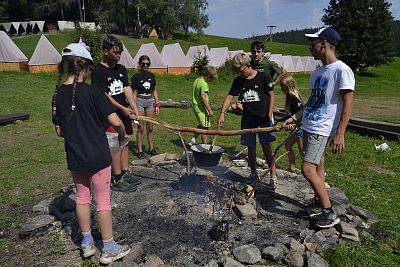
(243, 18)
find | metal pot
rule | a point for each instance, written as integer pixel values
(204, 157)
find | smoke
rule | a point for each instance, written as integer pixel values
(266, 7)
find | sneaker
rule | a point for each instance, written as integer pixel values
(271, 187)
(88, 250)
(153, 152)
(192, 142)
(314, 209)
(130, 178)
(123, 186)
(141, 155)
(108, 257)
(327, 219)
(252, 179)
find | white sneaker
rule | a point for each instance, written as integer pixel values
(108, 257)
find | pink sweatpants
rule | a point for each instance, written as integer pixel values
(98, 183)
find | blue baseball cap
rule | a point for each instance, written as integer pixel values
(328, 34)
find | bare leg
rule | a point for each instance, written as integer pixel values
(116, 163)
(269, 158)
(149, 129)
(309, 171)
(125, 158)
(104, 218)
(83, 215)
(288, 146)
(139, 134)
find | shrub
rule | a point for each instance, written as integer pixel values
(90, 38)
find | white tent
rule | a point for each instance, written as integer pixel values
(38, 25)
(27, 27)
(231, 54)
(287, 63)
(218, 56)
(64, 26)
(157, 63)
(126, 59)
(91, 26)
(276, 58)
(298, 64)
(8, 27)
(312, 64)
(195, 51)
(11, 57)
(173, 56)
(45, 57)
(18, 28)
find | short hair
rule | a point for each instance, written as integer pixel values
(111, 41)
(256, 45)
(210, 71)
(241, 59)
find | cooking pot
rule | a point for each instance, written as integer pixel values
(204, 157)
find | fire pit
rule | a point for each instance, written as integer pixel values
(207, 155)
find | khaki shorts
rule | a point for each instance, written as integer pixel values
(203, 119)
(314, 147)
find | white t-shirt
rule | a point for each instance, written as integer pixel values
(324, 107)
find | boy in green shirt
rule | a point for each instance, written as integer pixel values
(200, 102)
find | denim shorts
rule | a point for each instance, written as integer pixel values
(249, 139)
(314, 147)
(145, 104)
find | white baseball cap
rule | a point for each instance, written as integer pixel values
(77, 50)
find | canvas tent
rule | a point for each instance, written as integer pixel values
(45, 57)
(297, 64)
(277, 58)
(157, 63)
(11, 57)
(231, 54)
(287, 63)
(195, 51)
(27, 27)
(311, 64)
(126, 59)
(175, 59)
(38, 26)
(218, 56)
(8, 27)
(64, 26)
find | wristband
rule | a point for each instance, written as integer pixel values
(294, 118)
(157, 105)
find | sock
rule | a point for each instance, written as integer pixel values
(328, 209)
(87, 237)
(274, 178)
(117, 177)
(110, 245)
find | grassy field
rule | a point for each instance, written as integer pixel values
(33, 158)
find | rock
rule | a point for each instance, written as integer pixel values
(170, 157)
(153, 261)
(340, 210)
(295, 260)
(337, 197)
(136, 253)
(38, 225)
(230, 262)
(248, 254)
(350, 237)
(315, 260)
(140, 162)
(329, 243)
(328, 232)
(273, 253)
(282, 246)
(66, 202)
(246, 212)
(364, 214)
(212, 263)
(305, 232)
(154, 160)
(43, 206)
(125, 264)
(239, 199)
(356, 222)
(347, 229)
(367, 235)
(296, 247)
(310, 246)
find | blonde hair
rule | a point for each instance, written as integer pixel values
(290, 83)
(209, 72)
(241, 59)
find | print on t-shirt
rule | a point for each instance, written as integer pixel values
(317, 104)
(251, 95)
(146, 84)
(116, 87)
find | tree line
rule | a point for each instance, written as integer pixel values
(170, 15)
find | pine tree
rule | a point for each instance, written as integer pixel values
(365, 27)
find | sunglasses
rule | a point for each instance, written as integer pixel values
(144, 64)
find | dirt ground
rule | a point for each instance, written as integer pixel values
(377, 109)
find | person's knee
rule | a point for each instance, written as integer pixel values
(82, 200)
(103, 206)
(308, 171)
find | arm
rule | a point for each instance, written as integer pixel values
(279, 77)
(338, 138)
(271, 103)
(126, 111)
(206, 104)
(57, 128)
(117, 124)
(157, 103)
(131, 99)
(225, 105)
(290, 123)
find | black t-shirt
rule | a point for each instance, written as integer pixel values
(144, 82)
(295, 104)
(85, 139)
(112, 81)
(253, 94)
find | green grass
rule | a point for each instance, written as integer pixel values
(32, 157)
